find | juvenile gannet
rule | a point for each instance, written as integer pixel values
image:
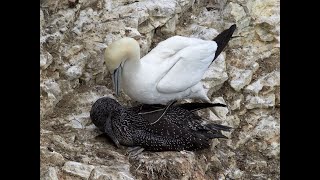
(162, 128)
(171, 71)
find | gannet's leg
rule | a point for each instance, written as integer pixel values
(171, 103)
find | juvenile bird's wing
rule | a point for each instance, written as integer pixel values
(154, 142)
(164, 135)
(180, 114)
(154, 113)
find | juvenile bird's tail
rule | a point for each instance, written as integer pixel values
(214, 130)
(218, 127)
(222, 39)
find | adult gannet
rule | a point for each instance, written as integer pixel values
(171, 127)
(171, 71)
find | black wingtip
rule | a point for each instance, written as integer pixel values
(223, 38)
(198, 106)
(233, 27)
(218, 105)
(220, 136)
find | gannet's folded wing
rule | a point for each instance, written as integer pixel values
(191, 63)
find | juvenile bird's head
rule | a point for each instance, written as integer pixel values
(116, 54)
(102, 109)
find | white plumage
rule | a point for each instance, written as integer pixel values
(171, 71)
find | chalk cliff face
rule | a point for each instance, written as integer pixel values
(246, 76)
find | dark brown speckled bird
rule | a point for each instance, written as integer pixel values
(156, 127)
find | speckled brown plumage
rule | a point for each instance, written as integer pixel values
(156, 128)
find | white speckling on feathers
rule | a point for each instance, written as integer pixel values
(178, 129)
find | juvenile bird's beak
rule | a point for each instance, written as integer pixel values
(116, 79)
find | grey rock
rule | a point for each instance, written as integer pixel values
(264, 35)
(132, 32)
(50, 174)
(198, 31)
(236, 104)
(263, 101)
(170, 27)
(234, 11)
(72, 51)
(78, 169)
(113, 172)
(269, 82)
(52, 87)
(61, 142)
(53, 157)
(215, 76)
(235, 173)
(220, 111)
(42, 21)
(74, 72)
(240, 78)
(45, 60)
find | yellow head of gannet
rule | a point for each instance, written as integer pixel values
(115, 56)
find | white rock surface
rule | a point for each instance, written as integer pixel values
(234, 10)
(45, 60)
(53, 157)
(215, 76)
(239, 78)
(51, 174)
(78, 169)
(236, 104)
(198, 31)
(105, 172)
(74, 72)
(269, 81)
(264, 101)
(220, 111)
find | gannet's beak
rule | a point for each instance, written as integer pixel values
(116, 79)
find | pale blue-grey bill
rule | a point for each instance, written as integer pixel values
(116, 79)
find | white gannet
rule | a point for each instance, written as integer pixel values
(171, 71)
